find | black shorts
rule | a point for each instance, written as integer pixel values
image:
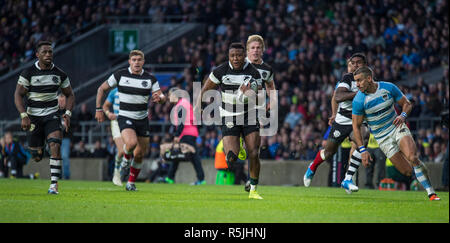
(339, 132)
(43, 126)
(141, 127)
(230, 128)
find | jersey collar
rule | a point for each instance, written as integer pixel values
(245, 64)
(37, 65)
(248, 60)
(129, 70)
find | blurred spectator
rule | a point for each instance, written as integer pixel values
(80, 150)
(111, 150)
(2, 157)
(293, 117)
(307, 44)
(84, 114)
(15, 157)
(99, 150)
(66, 140)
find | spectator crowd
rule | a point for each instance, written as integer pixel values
(307, 44)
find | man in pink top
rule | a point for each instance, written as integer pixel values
(185, 132)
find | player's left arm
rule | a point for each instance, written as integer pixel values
(406, 106)
(357, 121)
(19, 93)
(270, 88)
(70, 101)
(402, 101)
(358, 112)
(342, 94)
(158, 97)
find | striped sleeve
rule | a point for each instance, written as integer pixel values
(65, 82)
(346, 82)
(395, 91)
(24, 82)
(155, 85)
(270, 79)
(213, 78)
(358, 104)
(24, 79)
(112, 81)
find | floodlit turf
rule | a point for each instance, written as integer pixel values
(88, 201)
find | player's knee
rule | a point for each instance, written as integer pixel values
(328, 152)
(54, 144)
(231, 157)
(132, 144)
(253, 155)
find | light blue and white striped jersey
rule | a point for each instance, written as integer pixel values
(113, 97)
(378, 108)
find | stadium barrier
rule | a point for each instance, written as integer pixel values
(272, 172)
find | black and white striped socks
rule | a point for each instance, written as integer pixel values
(55, 170)
(355, 162)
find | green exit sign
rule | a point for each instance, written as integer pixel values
(123, 41)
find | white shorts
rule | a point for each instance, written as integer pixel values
(115, 130)
(391, 144)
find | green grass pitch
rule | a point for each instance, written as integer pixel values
(88, 201)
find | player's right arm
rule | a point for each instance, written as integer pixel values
(357, 120)
(209, 84)
(343, 91)
(334, 108)
(101, 91)
(343, 94)
(270, 87)
(20, 92)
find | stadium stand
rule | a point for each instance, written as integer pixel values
(307, 45)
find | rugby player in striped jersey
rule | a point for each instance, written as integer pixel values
(40, 84)
(134, 86)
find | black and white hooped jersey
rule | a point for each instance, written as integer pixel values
(229, 81)
(266, 72)
(134, 91)
(43, 87)
(344, 112)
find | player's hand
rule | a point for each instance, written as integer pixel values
(399, 120)
(366, 158)
(331, 120)
(26, 123)
(112, 116)
(158, 98)
(99, 116)
(245, 88)
(66, 119)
